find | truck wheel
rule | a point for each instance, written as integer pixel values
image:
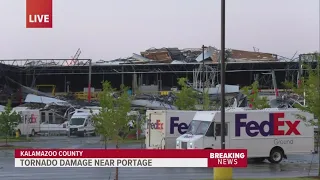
(33, 133)
(276, 155)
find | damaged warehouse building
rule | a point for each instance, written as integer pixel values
(150, 71)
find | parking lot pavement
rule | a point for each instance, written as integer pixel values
(70, 142)
(94, 142)
(296, 165)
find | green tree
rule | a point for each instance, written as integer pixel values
(139, 123)
(206, 100)
(209, 105)
(102, 120)
(8, 121)
(142, 120)
(186, 97)
(112, 120)
(309, 89)
(252, 93)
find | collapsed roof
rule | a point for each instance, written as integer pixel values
(211, 54)
(175, 55)
(240, 55)
(163, 55)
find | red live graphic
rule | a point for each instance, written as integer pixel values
(39, 13)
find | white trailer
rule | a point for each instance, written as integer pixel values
(38, 121)
(164, 126)
(266, 134)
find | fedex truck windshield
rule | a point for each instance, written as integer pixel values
(198, 127)
(77, 121)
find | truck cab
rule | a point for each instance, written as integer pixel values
(201, 133)
(81, 123)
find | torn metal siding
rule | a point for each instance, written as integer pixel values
(191, 54)
(140, 58)
(240, 55)
(251, 56)
(208, 52)
(164, 55)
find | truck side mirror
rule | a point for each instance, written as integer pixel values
(86, 124)
(215, 134)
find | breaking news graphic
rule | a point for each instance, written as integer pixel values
(130, 158)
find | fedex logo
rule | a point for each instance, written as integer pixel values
(174, 123)
(30, 119)
(157, 125)
(253, 128)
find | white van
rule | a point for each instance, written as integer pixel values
(266, 134)
(81, 123)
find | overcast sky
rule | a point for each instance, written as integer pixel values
(106, 29)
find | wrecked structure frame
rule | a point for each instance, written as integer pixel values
(151, 68)
(240, 73)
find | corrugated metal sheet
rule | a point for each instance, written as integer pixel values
(208, 52)
(140, 58)
(240, 55)
(165, 55)
(45, 100)
(252, 56)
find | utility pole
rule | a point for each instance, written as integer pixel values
(89, 81)
(222, 173)
(222, 73)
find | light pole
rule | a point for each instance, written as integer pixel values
(222, 73)
(222, 173)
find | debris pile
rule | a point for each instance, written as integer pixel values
(163, 55)
(175, 55)
(191, 55)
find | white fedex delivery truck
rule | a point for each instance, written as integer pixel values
(266, 134)
(29, 124)
(164, 126)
